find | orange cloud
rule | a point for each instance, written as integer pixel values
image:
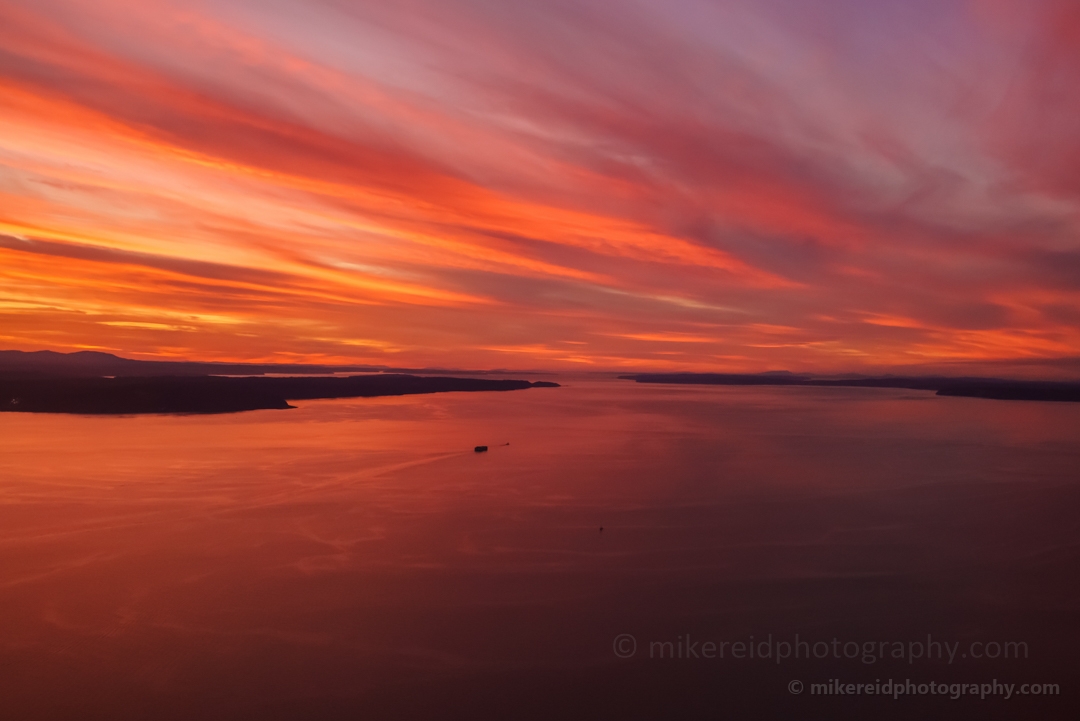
(442, 187)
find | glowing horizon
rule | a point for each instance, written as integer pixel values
(655, 185)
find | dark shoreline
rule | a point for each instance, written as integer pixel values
(219, 394)
(990, 388)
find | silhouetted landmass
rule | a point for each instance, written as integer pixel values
(216, 394)
(90, 364)
(1017, 391)
(994, 388)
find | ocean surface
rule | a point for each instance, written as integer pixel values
(356, 559)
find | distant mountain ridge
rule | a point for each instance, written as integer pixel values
(94, 364)
(90, 363)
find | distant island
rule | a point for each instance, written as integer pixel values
(994, 388)
(73, 383)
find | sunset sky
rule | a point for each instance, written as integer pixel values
(673, 184)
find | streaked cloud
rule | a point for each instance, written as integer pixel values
(683, 184)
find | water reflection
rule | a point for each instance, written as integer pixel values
(356, 558)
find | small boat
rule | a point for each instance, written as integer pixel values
(480, 449)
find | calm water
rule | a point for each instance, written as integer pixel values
(355, 558)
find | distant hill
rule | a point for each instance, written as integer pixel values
(94, 364)
(16, 363)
